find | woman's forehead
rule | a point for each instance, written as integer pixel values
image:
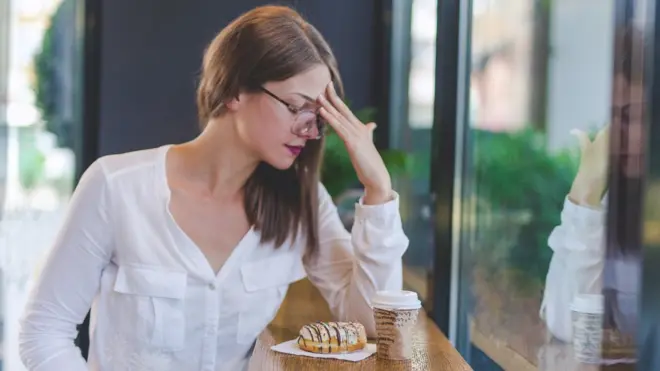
(308, 84)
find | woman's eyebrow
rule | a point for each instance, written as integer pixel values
(306, 97)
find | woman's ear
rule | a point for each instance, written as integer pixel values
(233, 103)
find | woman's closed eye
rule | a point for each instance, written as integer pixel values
(310, 107)
(293, 109)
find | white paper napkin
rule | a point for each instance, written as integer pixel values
(291, 347)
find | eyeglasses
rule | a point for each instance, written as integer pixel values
(306, 120)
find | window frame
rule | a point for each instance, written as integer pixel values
(648, 330)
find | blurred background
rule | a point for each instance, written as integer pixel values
(475, 101)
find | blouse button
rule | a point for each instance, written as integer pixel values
(212, 286)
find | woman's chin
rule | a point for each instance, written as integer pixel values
(282, 163)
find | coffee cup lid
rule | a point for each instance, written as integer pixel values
(588, 304)
(396, 300)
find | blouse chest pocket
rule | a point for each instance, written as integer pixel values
(154, 305)
(265, 283)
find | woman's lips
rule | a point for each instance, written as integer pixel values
(295, 150)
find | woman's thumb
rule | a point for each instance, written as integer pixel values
(582, 138)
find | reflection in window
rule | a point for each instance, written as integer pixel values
(414, 138)
(501, 63)
(39, 143)
(538, 152)
(422, 63)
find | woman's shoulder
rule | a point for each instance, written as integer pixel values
(135, 172)
(132, 164)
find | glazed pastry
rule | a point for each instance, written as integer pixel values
(332, 337)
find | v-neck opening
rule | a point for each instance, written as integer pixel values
(199, 255)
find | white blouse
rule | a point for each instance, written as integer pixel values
(156, 303)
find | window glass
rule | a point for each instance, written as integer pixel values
(40, 125)
(540, 264)
(414, 138)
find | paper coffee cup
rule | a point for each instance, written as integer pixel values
(587, 314)
(395, 314)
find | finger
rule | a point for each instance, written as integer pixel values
(330, 109)
(332, 120)
(371, 127)
(340, 105)
(582, 138)
(603, 134)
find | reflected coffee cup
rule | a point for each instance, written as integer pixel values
(395, 314)
(587, 315)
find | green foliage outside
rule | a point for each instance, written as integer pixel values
(44, 66)
(47, 90)
(520, 186)
(31, 160)
(46, 87)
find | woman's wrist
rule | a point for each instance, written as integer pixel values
(376, 196)
(587, 191)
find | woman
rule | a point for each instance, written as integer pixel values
(185, 252)
(581, 263)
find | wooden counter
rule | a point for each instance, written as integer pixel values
(552, 356)
(304, 304)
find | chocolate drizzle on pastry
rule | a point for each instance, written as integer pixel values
(318, 333)
(331, 337)
(338, 332)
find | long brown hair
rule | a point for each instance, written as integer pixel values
(270, 43)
